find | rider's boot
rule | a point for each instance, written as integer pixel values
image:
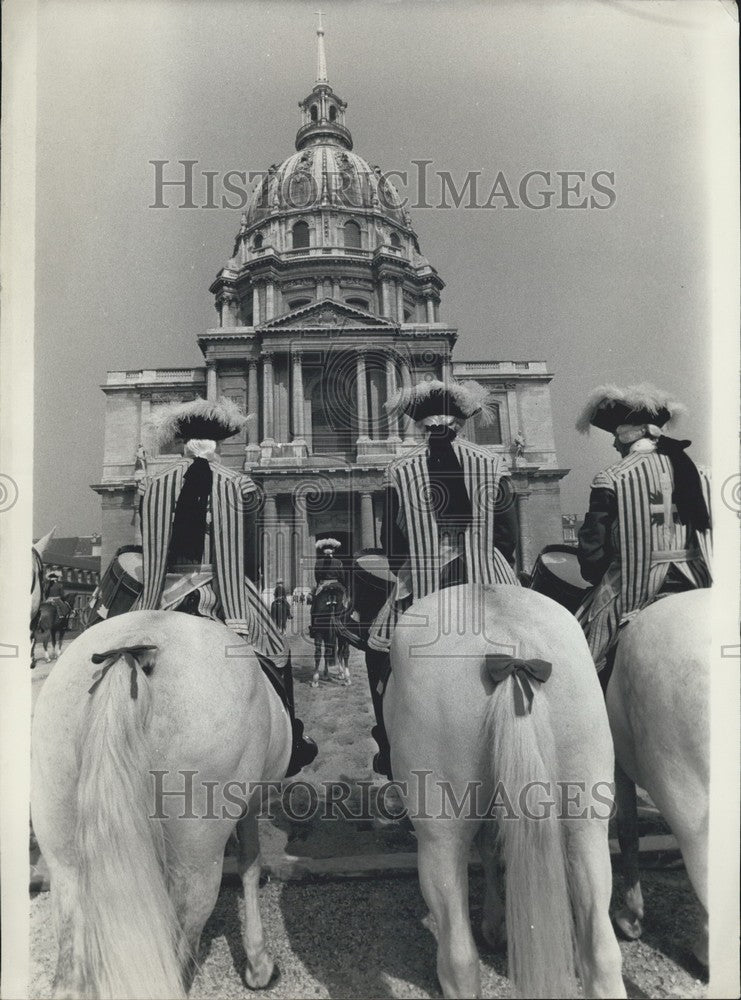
(378, 665)
(303, 748)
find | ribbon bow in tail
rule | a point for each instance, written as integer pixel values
(130, 655)
(502, 665)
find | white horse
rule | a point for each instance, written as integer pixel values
(658, 705)
(446, 717)
(135, 871)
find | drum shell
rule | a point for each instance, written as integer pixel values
(369, 592)
(546, 582)
(117, 592)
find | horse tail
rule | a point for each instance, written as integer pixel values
(540, 931)
(127, 938)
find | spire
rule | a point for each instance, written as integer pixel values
(321, 59)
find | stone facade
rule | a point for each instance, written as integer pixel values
(325, 307)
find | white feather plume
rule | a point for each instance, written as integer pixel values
(643, 396)
(470, 396)
(166, 423)
(327, 543)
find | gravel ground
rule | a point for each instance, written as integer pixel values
(367, 939)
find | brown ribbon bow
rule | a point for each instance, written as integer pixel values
(111, 656)
(501, 665)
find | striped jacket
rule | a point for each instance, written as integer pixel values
(421, 574)
(243, 609)
(648, 540)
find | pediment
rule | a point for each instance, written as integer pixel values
(329, 313)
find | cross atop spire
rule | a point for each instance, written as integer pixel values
(321, 59)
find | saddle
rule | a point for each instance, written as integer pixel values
(64, 610)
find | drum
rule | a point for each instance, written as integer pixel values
(557, 575)
(372, 583)
(119, 587)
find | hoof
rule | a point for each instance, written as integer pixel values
(315, 684)
(629, 925)
(257, 982)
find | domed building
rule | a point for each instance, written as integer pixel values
(325, 307)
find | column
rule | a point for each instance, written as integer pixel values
(281, 397)
(386, 297)
(523, 542)
(400, 301)
(367, 523)
(362, 398)
(211, 388)
(298, 397)
(336, 289)
(267, 399)
(229, 309)
(430, 307)
(255, 305)
(269, 542)
(302, 564)
(393, 420)
(253, 402)
(269, 300)
(319, 289)
(446, 369)
(407, 424)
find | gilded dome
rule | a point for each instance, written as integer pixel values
(325, 173)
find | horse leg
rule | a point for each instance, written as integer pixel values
(695, 856)
(630, 915)
(59, 638)
(590, 871)
(317, 660)
(195, 857)
(690, 826)
(345, 660)
(443, 877)
(329, 656)
(260, 969)
(493, 922)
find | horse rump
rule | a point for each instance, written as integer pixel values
(118, 932)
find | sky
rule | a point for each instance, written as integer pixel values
(619, 294)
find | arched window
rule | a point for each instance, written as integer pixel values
(352, 234)
(314, 113)
(490, 433)
(298, 303)
(257, 242)
(332, 113)
(358, 303)
(395, 241)
(300, 235)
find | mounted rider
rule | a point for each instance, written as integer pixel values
(193, 519)
(56, 594)
(327, 567)
(647, 531)
(449, 518)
